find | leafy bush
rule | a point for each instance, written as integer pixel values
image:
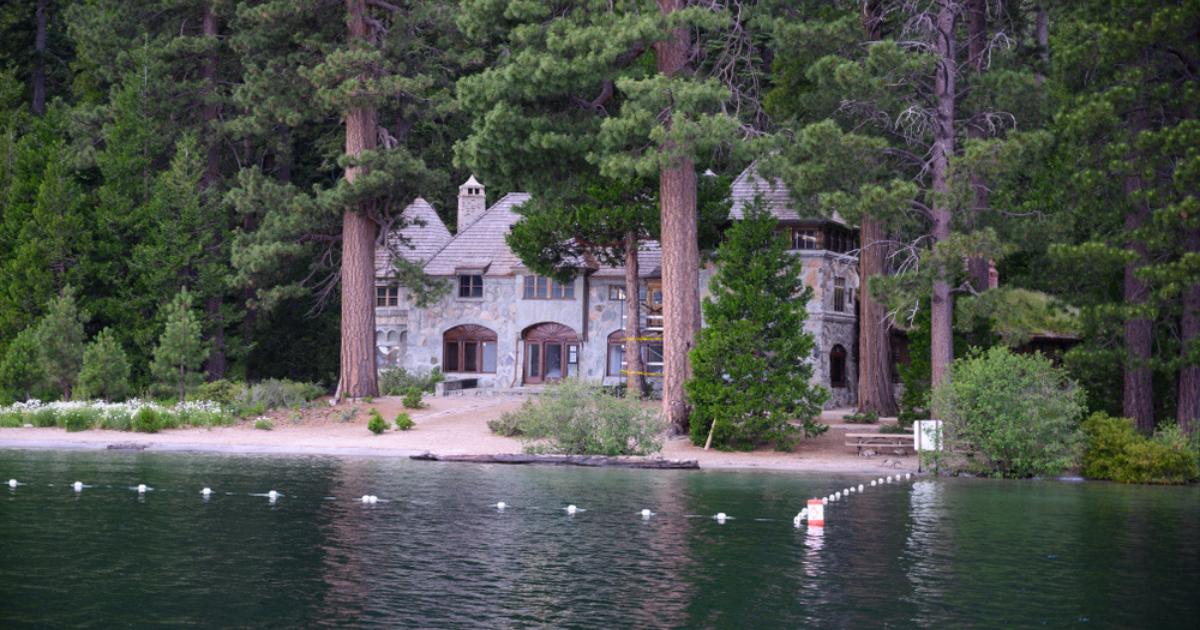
(1019, 411)
(894, 429)
(117, 421)
(11, 420)
(376, 424)
(1116, 451)
(509, 424)
(264, 424)
(273, 393)
(80, 418)
(575, 418)
(398, 381)
(347, 415)
(45, 417)
(147, 420)
(865, 417)
(412, 398)
(219, 391)
(404, 422)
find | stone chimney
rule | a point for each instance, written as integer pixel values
(472, 202)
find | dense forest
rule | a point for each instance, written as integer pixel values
(231, 165)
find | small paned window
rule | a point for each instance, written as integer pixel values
(806, 238)
(387, 295)
(543, 288)
(839, 295)
(470, 286)
(616, 292)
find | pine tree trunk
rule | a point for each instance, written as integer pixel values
(358, 372)
(633, 332)
(874, 348)
(978, 267)
(39, 59)
(1138, 400)
(680, 248)
(942, 304)
(875, 392)
(216, 364)
(1188, 412)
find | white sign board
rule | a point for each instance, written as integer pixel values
(927, 435)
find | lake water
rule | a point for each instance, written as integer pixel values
(434, 552)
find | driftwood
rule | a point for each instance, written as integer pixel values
(595, 461)
(127, 446)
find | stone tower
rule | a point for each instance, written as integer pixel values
(471, 203)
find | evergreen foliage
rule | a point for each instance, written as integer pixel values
(105, 372)
(751, 375)
(60, 339)
(22, 371)
(180, 349)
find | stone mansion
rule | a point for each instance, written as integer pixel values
(502, 326)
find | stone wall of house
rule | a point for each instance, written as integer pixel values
(503, 310)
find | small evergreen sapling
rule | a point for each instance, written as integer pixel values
(404, 422)
(376, 424)
(180, 349)
(105, 371)
(412, 398)
(751, 377)
(22, 373)
(60, 341)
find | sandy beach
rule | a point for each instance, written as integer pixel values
(449, 425)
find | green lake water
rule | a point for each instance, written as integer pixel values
(435, 552)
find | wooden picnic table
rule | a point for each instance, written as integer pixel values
(902, 442)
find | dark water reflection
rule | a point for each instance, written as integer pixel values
(435, 553)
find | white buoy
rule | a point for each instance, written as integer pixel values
(141, 488)
(373, 499)
(837, 496)
(272, 495)
(366, 498)
(721, 517)
(847, 491)
(12, 483)
(825, 501)
(872, 483)
(78, 485)
(889, 479)
(860, 487)
(206, 492)
(796, 519)
(907, 476)
(571, 510)
(647, 513)
(501, 505)
(881, 481)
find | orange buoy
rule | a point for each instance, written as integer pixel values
(816, 513)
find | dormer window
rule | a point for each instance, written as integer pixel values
(470, 285)
(387, 295)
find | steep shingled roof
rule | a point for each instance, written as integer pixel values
(779, 201)
(481, 244)
(423, 235)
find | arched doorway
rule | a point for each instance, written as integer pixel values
(551, 353)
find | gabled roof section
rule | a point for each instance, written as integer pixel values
(776, 195)
(481, 244)
(649, 263)
(422, 236)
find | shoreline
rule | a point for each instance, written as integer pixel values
(454, 426)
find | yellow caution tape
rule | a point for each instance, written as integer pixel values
(642, 339)
(642, 373)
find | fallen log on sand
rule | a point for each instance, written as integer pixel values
(595, 461)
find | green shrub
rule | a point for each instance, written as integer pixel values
(347, 415)
(575, 418)
(404, 422)
(117, 421)
(11, 420)
(866, 417)
(509, 424)
(1116, 451)
(376, 424)
(412, 398)
(45, 417)
(147, 420)
(264, 396)
(80, 418)
(894, 428)
(1018, 411)
(219, 391)
(263, 424)
(397, 382)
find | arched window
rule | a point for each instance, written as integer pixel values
(616, 353)
(837, 366)
(469, 348)
(551, 352)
